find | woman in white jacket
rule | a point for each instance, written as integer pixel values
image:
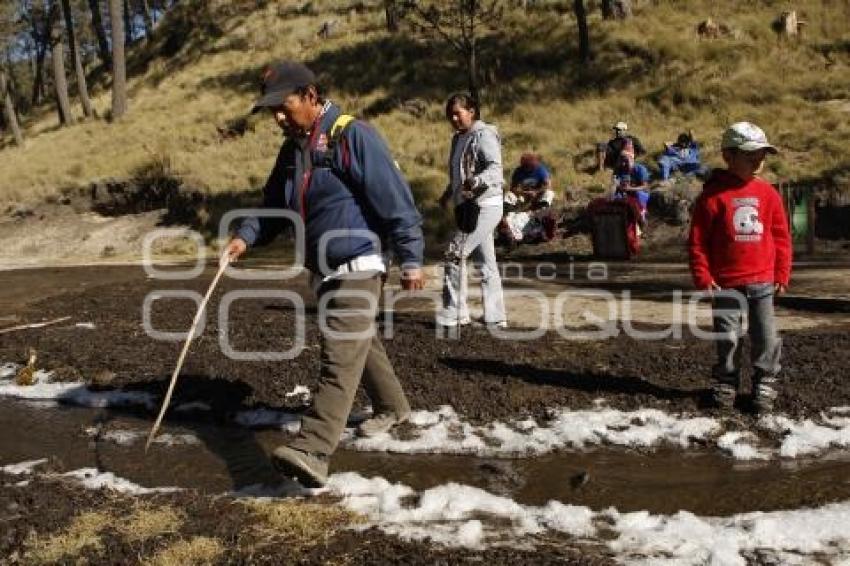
(475, 173)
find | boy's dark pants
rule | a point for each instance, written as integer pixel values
(765, 344)
(351, 349)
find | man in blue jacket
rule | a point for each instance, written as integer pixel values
(338, 175)
(681, 156)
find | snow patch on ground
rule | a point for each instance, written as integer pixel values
(72, 393)
(811, 436)
(742, 445)
(91, 478)
(445, 432)
(459, 515)
(8, 370)
(128, 437)
(22, 468)
(300, 391)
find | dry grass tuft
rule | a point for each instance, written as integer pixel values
(84, 532)
(300, 525)
(147, 521)
(199, 550)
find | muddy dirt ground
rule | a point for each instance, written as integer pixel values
(52, 521)
(485, 378)
(482, 377)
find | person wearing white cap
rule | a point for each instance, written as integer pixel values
(740, 252)
(608, 153)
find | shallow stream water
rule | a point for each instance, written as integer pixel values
(218, 458)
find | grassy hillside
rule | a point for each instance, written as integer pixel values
(202, 67)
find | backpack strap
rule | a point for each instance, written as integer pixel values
(339, 125)
(335, 134)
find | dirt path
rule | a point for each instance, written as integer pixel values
(481, 375)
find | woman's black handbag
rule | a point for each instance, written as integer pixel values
(466, 216)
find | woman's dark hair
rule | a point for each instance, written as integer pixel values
(465, 100)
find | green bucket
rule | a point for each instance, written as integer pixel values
(800, 217)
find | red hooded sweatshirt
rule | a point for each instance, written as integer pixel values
(739, 234)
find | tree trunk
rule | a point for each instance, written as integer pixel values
(73, 45)
(38, 77)
(146, 17)
(391, 9)
(583, 33)
(100, 33)
(40, 39)
(128, 23)
(119, 69)
(57, 55)
(9, 107)
(472, 71)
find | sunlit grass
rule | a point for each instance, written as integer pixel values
(653, 71)
(296, 524)
(197, 550)
(84, 532)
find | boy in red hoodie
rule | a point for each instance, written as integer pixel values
(740, 250)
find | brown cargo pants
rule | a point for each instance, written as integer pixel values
(351, 350)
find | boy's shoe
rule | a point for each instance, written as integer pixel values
(765, 393)
(381, 423)
(311, 470)
(723, 395)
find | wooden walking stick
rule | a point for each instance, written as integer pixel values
(221, 267)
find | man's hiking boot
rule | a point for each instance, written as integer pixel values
(723, 395)
(765, 393)
(381, 423)
(311, 470)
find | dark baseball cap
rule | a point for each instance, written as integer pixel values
(282, 78)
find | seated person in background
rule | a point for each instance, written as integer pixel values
(531, 183)
(631, 181)
(527, 217)
(608, 154)
(682, 156)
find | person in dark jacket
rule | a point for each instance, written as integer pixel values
(608, 154)
(338, 176)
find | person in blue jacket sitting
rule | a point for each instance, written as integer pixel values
(682, 156)
(631, 181)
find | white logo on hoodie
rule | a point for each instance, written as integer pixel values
(748, 227)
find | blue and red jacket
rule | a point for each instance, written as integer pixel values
(361, 189)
